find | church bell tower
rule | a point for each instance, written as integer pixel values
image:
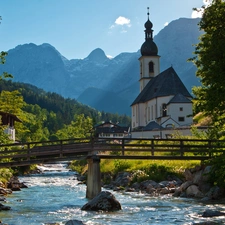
(149, 60)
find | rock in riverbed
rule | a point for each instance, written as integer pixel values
(105, 201)
(3, 207)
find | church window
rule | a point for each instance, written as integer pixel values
(181, 119)
(151, 67)
(164, 110)
(181, 108)
(141, 69)
(148, 113)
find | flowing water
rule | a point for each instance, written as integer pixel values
(56, 197)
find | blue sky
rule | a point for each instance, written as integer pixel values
(77, 27)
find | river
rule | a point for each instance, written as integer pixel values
(56, 197)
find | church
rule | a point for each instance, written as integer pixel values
(164, 104)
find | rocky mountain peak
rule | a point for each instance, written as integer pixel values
(97, 55)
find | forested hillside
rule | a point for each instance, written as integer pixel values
(47, 115)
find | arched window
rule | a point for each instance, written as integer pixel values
(151, 67)
(164, 110)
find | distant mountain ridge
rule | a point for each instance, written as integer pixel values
(105, 84)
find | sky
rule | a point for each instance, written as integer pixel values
(77, 27)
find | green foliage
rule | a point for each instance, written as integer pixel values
(2, 61)
(5, 175)
(121, 165)
(157, 172)
(140, 176)
(217, 173)
(59, 111)
(210, 61)
(79, 166)
(80, 127)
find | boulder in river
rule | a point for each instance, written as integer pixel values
(14, 184)
(3, 207)
(212, 213)
(74, 222)
(104, 201)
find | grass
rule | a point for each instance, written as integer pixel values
(153, 168)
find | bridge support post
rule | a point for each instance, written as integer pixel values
(94, 177)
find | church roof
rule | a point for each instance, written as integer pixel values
(153, 126)
(167, 83)
(179, 98)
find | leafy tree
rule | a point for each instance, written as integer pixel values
(210, 62)
(2, 61)
(80, 127)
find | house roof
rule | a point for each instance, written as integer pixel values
(179, 98)
(11, 115)
(165, 84)
(112, 130)
(109, 127)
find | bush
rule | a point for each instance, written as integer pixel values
(80, 166)
(139, 176)
(217, 174)
(121, 165)
(5, 175)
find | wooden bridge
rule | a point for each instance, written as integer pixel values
(23, 154)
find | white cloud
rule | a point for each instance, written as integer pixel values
(207, 2)
(166, 24)
(198, 13)
(122, 21)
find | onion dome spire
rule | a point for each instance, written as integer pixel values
(148, 28)
(149, 48)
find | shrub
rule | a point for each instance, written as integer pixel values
(217, 174)
(121, 165)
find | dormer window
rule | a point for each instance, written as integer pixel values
(151, 67)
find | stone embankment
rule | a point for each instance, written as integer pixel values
(195, 184)
(13, 185)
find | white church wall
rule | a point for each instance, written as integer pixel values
(182, 113)
(164, 133)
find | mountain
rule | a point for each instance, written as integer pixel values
(105, 84)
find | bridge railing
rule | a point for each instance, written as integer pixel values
(26, 153)
(117, 148)
(159, 148)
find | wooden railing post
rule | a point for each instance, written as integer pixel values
(181, 148)
(122, 146)
(210, 148)
(28, 151)
(152, 147)
(61, 149)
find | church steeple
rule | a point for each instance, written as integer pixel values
(148, 28)
(149, 47)
(149, 60)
